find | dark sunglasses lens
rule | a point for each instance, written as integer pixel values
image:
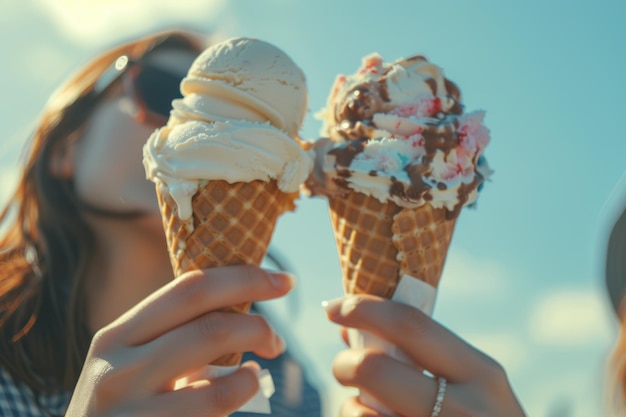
(157, 89)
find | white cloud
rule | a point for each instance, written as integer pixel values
(466, 275)
(92, 21)
(571, 317)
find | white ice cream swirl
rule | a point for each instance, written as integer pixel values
(183, 156)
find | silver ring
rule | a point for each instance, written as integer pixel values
(441, 392)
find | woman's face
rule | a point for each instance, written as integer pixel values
(108, 170)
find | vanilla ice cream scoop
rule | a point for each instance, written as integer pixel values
(243, 103)
(244, 79)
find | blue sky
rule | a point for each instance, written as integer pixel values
(523, 280)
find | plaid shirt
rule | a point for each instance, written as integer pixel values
(17, 400)
(294, 396)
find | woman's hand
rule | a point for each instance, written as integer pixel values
(134, 362)
(476, 384)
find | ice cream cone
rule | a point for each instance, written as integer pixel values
(228, 163)
(232, 224)
(378, 243)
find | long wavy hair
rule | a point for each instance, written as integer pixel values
(47, 247)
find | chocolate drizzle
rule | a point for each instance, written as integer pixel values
(417, 172)
(360, 104)
(432, 84)
(397, 189)
(340, 182)
(455, 94)
(344, 172)
(463, 194)
(440, 135)
(346, 152)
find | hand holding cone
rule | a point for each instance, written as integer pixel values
(398, 162)
(228, 163)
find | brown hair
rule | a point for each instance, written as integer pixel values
(47, 246)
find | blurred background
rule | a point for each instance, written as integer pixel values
(524, 279)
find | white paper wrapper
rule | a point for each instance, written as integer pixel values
(259, 404)
(413, 292)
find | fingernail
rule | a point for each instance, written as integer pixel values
(333, 307)
(282, 280)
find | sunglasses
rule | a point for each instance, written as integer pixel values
(151, 87)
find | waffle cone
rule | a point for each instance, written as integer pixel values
(232, 224)
(422, 237)
(380, 242)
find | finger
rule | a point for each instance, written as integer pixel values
(400, 387)
(216, 334)
(344, 335)
(218, 397)
(201, 341)
(426, 342)
(352, 407)
(196, 293)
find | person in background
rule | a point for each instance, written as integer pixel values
(92, 322)
(615, 279)
(84, 252)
